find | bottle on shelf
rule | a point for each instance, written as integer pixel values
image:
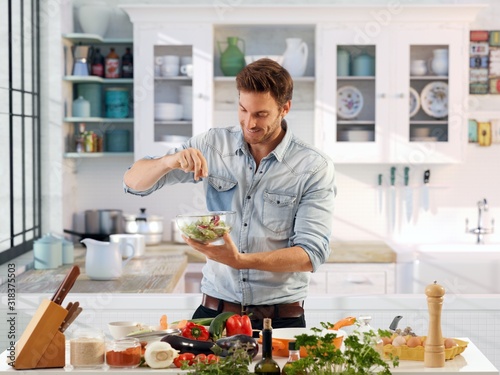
(112, 65)
(97, 66)
(80, 138)
(293, 356)
(267, 365)
(127, 64)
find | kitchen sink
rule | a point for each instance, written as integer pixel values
(460, 268)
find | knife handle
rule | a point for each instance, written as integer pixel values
(407, 175)
(66, 285)
(427, 176)
(393, 175)
(380, 179)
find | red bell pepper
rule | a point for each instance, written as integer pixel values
(195, 332)
(239, 325)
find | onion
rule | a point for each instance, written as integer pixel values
(159, 354)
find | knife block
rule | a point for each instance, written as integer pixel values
(42, 345)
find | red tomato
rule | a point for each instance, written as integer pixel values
(187, 358)
(201, 358)
(212, 358)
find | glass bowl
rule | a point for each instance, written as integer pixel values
(206, 227)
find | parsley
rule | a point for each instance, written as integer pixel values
(237, 362)
(359, 357)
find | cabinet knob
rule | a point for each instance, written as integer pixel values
(382, 95)
(400, 95)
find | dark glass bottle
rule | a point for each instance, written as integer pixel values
(97, 66)
(293, 355)
(267, 365)
(127, 64)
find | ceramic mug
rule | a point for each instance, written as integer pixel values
(130, 244)
(187, 70)
(169, 70)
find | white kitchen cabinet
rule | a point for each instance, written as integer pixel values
(354, 278)
(366, 116)
(392, 34)
(154, 40)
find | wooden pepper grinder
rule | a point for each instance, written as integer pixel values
(434, 355)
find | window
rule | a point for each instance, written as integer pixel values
(20, 185)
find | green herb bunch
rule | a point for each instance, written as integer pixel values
(237, 362)
(360, 355)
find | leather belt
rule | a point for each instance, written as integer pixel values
(256, 312)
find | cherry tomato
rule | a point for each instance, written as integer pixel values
(212, 358)
(201, 358)
(187, 358)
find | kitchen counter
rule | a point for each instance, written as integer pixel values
(471, 361)
(158, 271)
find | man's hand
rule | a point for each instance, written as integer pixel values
(226, 253)
(189, 160)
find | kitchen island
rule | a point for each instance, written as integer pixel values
(471, 361)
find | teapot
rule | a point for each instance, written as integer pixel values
(104, 259)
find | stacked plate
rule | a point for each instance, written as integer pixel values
(186, 99)
(168, 111)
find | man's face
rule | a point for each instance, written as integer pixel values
(260, 117)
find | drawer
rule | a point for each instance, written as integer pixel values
(374, 282)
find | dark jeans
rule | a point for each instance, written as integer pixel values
(204, 312)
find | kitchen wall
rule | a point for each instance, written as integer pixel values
(455, 189)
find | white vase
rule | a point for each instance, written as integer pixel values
(94, 18)
(295, 57)
(439, 64)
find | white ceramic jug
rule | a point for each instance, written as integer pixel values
(295, 57)
(104, 259)
(439, 63)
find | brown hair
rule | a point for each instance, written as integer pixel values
(266, 75)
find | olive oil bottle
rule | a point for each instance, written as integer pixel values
(267, 365)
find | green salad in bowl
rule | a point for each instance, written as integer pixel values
(207, 227)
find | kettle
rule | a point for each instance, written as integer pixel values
(104, 259)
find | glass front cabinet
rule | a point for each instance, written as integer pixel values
(392, 97)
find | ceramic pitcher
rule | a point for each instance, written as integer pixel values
(439, 62)
(104, 259)
(295, 57)
(232, 59)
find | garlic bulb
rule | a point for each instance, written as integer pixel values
(160, 354)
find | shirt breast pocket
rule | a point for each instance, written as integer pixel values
(220, 193)
(278, 211)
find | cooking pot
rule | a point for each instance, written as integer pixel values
(99, 224)
(282, 336)
(150, 226)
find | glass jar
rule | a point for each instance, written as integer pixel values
(124, 353)
(87, 349)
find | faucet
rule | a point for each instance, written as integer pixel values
(480, 231)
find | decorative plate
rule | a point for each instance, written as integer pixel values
(349, 102)
(414, 102)
(434, 99)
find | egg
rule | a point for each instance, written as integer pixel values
(449, 343)
(414, 341)
(398, 341)
(386, 340)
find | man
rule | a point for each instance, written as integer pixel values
(281, 189)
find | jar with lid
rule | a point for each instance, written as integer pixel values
(87, 349)
(123, 353)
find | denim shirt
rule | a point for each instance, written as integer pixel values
(287, 201)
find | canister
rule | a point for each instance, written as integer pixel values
(343, 63)
(87, 349)
(117, 140)
(363, 65)
(68, 252)
(93, 93)
(81, 107)
(116, 102)
(47, 252)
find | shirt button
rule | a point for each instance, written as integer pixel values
(251, 168)
(245, 224)
(244, 280)
(248, 197)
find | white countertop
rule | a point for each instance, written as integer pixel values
(471, 361)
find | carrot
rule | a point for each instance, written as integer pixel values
(163, 322)
(182, 323)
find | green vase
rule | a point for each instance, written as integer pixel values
(232, 60)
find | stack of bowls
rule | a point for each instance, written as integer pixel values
(186, 99)
(168, 111)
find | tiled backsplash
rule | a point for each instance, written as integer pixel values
(475, 317)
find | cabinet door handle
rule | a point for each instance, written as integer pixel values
(382, 95)
(401, 95)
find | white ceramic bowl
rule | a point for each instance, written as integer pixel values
(174, 138)
(357, 135)
(94, 18)
(251, 58)
(206, 227)
(121, 329)
(168, 111)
